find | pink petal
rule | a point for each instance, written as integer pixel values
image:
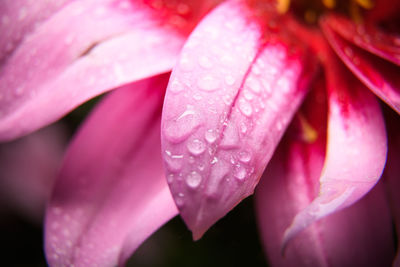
(356, 149)
(358, 236)
(372, 69)
(228, 103)
(19, 17)
(367, 37)
(87, 48)
(392, 171)
(28, 168)
(111, 193)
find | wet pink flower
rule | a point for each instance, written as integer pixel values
(247, 71)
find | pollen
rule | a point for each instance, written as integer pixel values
(309, 134)
(282, 6)
(329, 3)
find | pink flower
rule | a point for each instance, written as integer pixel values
(246, 71)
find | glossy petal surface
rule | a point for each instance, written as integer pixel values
(111, 193)
(85, 49)
(228, 102)
(378, 68)
(356, 149)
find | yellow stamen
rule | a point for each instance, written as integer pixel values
(309, 134)
(355, 11)
(282, 6)
(367, 4)
(329, 3)
(310, 16)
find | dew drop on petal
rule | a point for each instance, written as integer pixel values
(176, 87)
(208, 83)
(244, 156)
(245, 108)
(210, 136)
(205, 62)
(170, 178)
(229, 80)
(193, 180)
(196, 147)
(240, 173)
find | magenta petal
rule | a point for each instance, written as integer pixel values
(356, 149)
(228, 103)
(85, 49)
(372, 39)
(378, 74)
(358, 236)
(20, 17)
(111, 193)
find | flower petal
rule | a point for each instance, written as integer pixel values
(28, 168)
(228, 103)
(378, 67)
(87, 48)
(111, 193)
(356, 148)
(18, 18)
(358, 236)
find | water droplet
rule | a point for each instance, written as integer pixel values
(193, 180)
(214, 160)
(229, 80)
(205, 62)
(243, 128)
(254, 85)
(196, 147)
(197, 97)
(176, 87)
(210, 136)
(244, 156)
(186, 64)
(170, 178)
(348, 51)
(248, 95)
(208, 83)
(245, 108)
(174, 162)
(179, 201)
(240, 173)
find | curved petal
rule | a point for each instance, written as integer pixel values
(392, 171)
(28, 168)
(85, 49)
(377, 73)
(358, 236)
(111, 193)
(356, 148)
(229, 100)
(20, 17)
(291, 182)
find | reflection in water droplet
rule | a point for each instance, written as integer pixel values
(176, 87)
(179, 200)
(170, 178)
(193, 180)
(196, 146)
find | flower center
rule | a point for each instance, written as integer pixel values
(311, 10)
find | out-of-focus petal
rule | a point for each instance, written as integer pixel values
(229, 100)
(356, 148)
(392, 170)
(111, 193)
(19, 17)
(83, 50)
(358, 236)
(28, 168)
(376, 65)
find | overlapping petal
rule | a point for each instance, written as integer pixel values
(290, 184)
(372, 55)
(111, 193)
(229, 100)
(83, 50)
(356, 148)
